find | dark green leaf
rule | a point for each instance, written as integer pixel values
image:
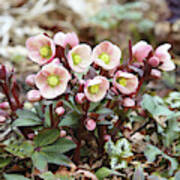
(104, 111)
(25, 122)
(60, 146)
(46, 137)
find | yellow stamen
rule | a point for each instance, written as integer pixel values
(53, 81)
(105, 57)
(45, 51)
(76, 59)
(94, 89)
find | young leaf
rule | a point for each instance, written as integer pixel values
(46, 137)
(15, 177)
(25, 122)
(60, 146)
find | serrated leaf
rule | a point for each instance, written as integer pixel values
(25, 122)
(39, 160)
(104, 111)
(60, 146)
(15, 177)
(46, 137)
(26, 114)
(70, 119)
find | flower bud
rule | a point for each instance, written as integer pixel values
(28, 105)
(60, 111)
(80, 98)
(154, 61)
(128, 102)
(4, 105)
(2, 119)
(31, 135)
(156, 73)
(30, 80)
(69, 138)
(107, 137)
(34, 96)
(90, 124)
(62, 133)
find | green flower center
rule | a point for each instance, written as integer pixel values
(94, 89)
(105, 57)
(45, 51)
(53, 81)
(122, 81)
(76, 59)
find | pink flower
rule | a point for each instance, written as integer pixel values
(126, 83)
(155, 73)
(128, 102)
(60, 111)
(63, 39)
(79, 58)
(80, 98)
(96, 89)
(164, 57)
(90, 124)
(30, 80)
(34, 96)
(63, 133)
(141, 50)
(52, 80)
(41, 49)
(107, 55)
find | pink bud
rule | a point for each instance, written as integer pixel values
(154, 61)
(90, 124)
(63, 133)
(30, 80)
(60, 111)
(107, 137)
(4, 105)
(34, 96)
(31, 135)
(69, 137)
(2, 119)
(80, 98)
(156, 73)
(128, 102)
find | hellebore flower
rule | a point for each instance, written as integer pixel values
(107, 55)
(63, 39)
(95, 89)
(52, 80)
(41, 49)
(126, 83)
(34, 96)
(164, 57)
(79, 58)
(90, 124)
(141, 50)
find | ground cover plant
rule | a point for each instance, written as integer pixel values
(89, 113)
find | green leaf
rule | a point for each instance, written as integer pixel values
(39, 160)
(93, 106)
(56, 158)
(60, 146)
(47, 122)
(151, 152)
(4, 162)
(46, 137)
(25, 122)
(21, 150)
(26, 118)
(27, 115)
(70, 119)
(177, 175)
(104, 111)
(15, 177)
(105, 172)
